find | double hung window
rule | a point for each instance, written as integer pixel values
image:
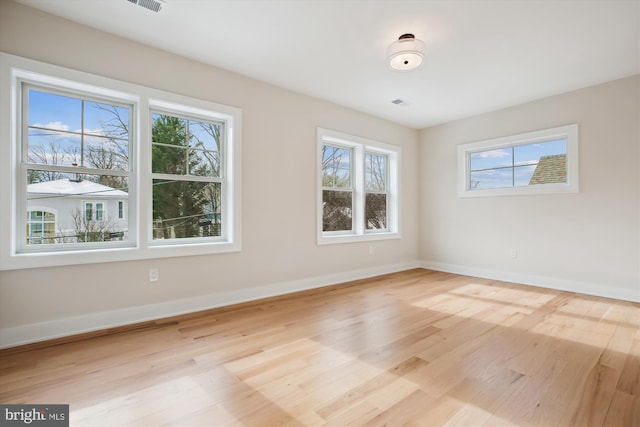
(74, 146)
(187, 160)
(358, 188)
(102, 170)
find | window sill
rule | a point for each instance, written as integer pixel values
(353, 238)
(93, 256)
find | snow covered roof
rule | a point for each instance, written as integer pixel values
(65, 187)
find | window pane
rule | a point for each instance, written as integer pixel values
(336, 167)
(57, 134)
(493, 178)
(522, 175)
(51, 147)
(490, 159)
(376, 211)
(169, 130)
(186, 147)
(105, 119)
(548, 161)
(88, 211)
(183, 209)
(99, 211)
(77, 220)
(531, 153)
(169, 159)
(54, 111)
(205, 135)
(337, 210)
(106, 153)
(204, 163)
(375, 172)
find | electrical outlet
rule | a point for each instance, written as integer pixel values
(153, 274)
(370, 249)
(513, 252)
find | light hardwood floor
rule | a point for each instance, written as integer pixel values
(419, 348)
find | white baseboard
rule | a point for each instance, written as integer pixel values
(539, 281)
(25, 334)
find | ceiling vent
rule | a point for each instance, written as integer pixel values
(153, 5)
(399, 101)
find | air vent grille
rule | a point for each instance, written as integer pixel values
(153, 5)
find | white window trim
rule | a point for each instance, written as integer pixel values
(570, 132)
(13, 70)
(194, 113)
(359, 147)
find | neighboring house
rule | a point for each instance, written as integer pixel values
(550, 170)
(70, 211)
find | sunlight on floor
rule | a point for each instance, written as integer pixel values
(161, 404)
(484, 297)
(336, 382)
(472, 415)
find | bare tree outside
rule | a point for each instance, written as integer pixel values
(91, 230)
(376, 191)
(337, 194)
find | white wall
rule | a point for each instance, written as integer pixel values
(279, 251)
(586, 242)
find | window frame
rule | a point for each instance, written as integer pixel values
(191, 113)
(567, 132)
(57, 86)
(378, 192)
(351, 188)
(15, 70)
(359, 147)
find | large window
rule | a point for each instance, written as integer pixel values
(358, 189)
(186, 160)
(544, 161)
(101, 170)
(75, 145)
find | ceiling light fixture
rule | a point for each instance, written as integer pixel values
(406, 53)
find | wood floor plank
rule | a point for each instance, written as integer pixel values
(414, 348)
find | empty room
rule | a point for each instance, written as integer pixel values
(319, 213)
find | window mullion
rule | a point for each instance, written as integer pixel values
(358, 190)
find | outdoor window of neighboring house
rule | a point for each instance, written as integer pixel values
(94, 211)
(358, 192)
(41, 226)
(544, 161)
(120, 209)
(76, 143)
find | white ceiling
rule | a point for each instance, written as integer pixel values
(481, 55)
